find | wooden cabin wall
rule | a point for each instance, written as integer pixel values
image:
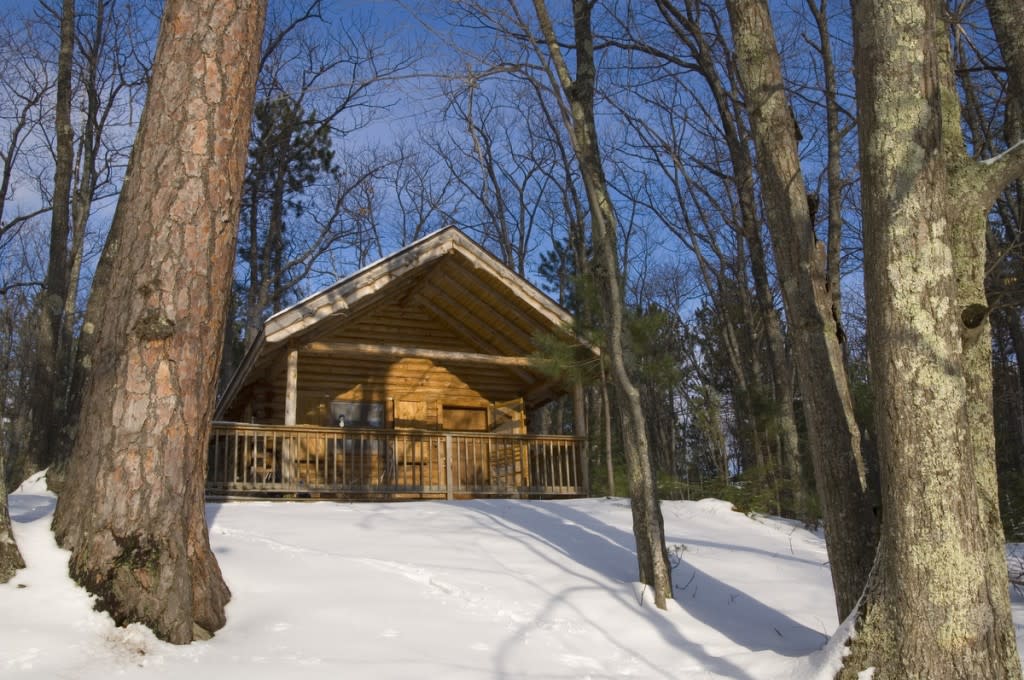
(416, 393)
(397, 323)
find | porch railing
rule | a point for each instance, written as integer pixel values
(374, 463)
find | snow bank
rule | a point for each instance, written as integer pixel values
(472, 589)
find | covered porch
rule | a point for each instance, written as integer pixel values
(376, 464)
(418, 376)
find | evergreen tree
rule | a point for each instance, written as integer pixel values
(289, 152)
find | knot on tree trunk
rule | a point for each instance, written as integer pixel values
(973, 318)
(973, 315)
(154, 325)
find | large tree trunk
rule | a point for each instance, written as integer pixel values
(937, 606)
(968, 202)
(134, 520)
(833, 435)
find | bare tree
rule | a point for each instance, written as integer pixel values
(578, 116)
(321, 79)
(49, 318)
(425, 199)
(835, 131)
(834, 437)
(134, 520)
(506, 163)
(24, 89)
(691, 178)
(1008, 25)
(101, 66)
(115, 52)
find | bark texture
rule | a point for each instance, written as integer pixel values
(937, 606)
(833, 435)
(969, 195)
(134, 518)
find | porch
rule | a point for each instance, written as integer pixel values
(384, 464)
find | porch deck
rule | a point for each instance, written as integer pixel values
(378, 464)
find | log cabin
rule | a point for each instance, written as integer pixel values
(411, 378)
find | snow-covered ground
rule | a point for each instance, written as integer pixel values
(469, 589)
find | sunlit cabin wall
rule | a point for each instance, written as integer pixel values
(416, 393)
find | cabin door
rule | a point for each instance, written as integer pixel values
(508, 417)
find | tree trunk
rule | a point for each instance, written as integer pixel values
(968, 218)
(833, 435)
(652, 554)
(579, 429)
(134, 519)
(834, 173)
(49, 315)
(1008, 26)
(606, 412)
(937, 606)
(89, 147)
(10, 557)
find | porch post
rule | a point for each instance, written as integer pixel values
(448, 465)
(579, 412)
(290, 400)
(291, 388)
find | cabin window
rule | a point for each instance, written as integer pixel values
(465, 419)
(357, 413)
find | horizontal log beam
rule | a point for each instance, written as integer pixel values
(401, 351)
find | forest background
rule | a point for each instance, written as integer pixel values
(377, 123)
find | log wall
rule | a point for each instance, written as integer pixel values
(416, 391)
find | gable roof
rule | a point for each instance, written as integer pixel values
(491, 308)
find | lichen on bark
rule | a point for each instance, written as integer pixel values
(937, 605)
